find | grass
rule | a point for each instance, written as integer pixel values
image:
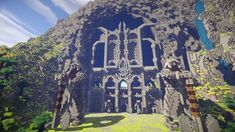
(120, 122)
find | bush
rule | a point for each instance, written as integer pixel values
(7, 123)
(25, 130)
(41, 120)
(230, 102)
(7, 114)
(230, 128)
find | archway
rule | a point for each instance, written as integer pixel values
(136, 91)
(123, 96)
(99, 55)
(109, 95)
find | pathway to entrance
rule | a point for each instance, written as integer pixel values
(121, 122)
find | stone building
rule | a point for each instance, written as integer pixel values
(121, 47)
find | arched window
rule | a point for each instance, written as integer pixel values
(133, 51)
(111, 49)
(147, 53)
(110, 86)
(99, 55)
(110, 82)
(146, 32)
(123, 85)
(135, 82)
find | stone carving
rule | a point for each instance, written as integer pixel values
(123, 62)
(67, 106)
(186, 124)
(175, 103)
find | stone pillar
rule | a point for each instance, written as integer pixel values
(116, 100)
(89, 92)
(89, 100)
(193, 106)
(129, 102)
(129, 98)
(116, 97)
(144, 100)
(105, 51)
(153, 46)
(103, 102)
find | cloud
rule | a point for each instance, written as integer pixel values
(70, 6)
(43, 10)
(18, 21)
(83, 2)
(11, 31)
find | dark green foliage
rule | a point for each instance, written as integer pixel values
(230, 128)
(27, 74)
(8, 123)
(34, 77)
(219, 110)
(230, 102)
(7, 120)
(40, 120)
(37, 124)
(24, 83)
(7, 61)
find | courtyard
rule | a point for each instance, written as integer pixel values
(120, 122)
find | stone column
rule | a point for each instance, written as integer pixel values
(193, 105)
(103, 102)
(105, 51)
(116, 97)
(144, 100)
(129, 98)
(89, 92)
(153, 46)
(129, 102)
(89, 100)
(116, 100)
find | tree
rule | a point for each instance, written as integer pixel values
(7, 61)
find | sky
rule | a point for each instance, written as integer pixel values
(21, 20)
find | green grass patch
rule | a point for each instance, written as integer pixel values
(120, 122)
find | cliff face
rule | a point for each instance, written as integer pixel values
(220, 15)
(219, 20)
(43, 57)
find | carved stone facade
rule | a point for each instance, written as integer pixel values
(123, 75)
(123, 83)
